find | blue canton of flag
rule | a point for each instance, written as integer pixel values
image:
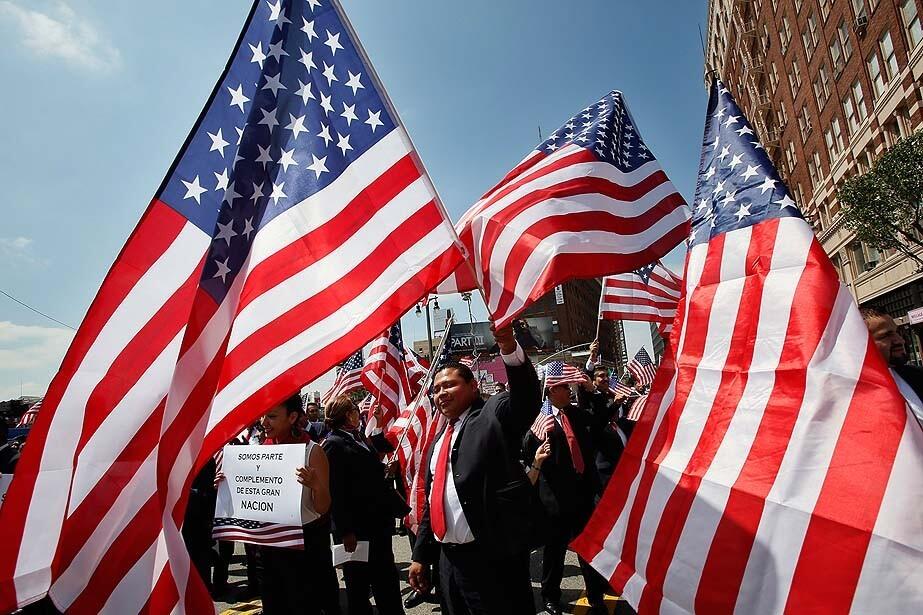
(645, 272)
(287, 119)
(739, 186)
(353, 363)
(605, 128)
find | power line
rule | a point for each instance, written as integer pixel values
(39, 312)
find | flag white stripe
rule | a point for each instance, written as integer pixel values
(329, 329)
(324, 206)
(43, 521)
(122, 423)
(706, 511)
(836, 366)
(587, 242)
(326, 272)
(126, 598)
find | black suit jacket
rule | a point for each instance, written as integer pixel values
(913, 376)
(492, 486)
(568, 496)
(359, 499)
(610, 426)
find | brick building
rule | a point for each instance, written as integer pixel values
(829, 85)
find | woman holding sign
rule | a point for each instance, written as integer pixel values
(289, 575)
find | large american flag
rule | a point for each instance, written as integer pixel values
(294, 225)
(642, 367)
(385, 377)
(647, 294)
(589, 201)
(775, 468)
(347, 378)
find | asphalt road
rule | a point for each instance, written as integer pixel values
(572, 586)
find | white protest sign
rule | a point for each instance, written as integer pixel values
(5, 480)
(260, 483)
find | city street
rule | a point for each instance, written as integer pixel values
(572, 586)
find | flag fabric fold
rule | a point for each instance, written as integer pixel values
(591, 200)
(775, 467)
(295, 224)
(647, 294)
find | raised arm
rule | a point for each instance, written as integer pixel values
(525, 394)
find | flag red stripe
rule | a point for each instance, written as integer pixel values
(730, 549)
(699, 312)
(157, 229)
(307, 370)
(321, 241)
(164, 595)
(314, 309)
(837, 538)
(733, 381)
(562, 266)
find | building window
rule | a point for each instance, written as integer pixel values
(836, 147)
(814, 170)
(887, 53)
(798, 4)
(858, 7)
(842, 33)
(804, 122)
(912, 22)
(856, 90)
(878, 79)
(809, 36)
(824, 9)
(773, 76)
(783, 116)
(785, 35)
(822, 86)
(849, 112)
(794, 77)
(791, 161)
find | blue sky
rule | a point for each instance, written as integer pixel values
(99, 97)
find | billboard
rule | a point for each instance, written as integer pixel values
(533, 334)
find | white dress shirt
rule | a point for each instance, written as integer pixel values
(457, 530)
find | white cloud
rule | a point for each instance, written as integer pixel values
(29, 347)
(18, 251)
(61, 33)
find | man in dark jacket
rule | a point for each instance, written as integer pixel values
(477, 517)
(611, 428)
(892, 348)
(568, 484)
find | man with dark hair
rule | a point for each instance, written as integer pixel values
(893, 350)
(611, 427)
(478, 514)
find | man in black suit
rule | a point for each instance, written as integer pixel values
(893, 350)
(611, 428)
(362, 507)
(478, 515)
(568, 484)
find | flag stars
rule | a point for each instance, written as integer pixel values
(194, 190)
(785, 201)
(237, 97)
(296, 125)
(710, 172)
(746, 130)
(750, 172)
(269, 119)
(287, 159)
(218, 142)
(257, 191)
(277, 192)
(768, 184)
(725, 152)
(276, 51)
(319, 165)
(343, 143)
(354, 82)
(258, 55)
(226, 232)
(274, 84)
(718, 188)
(374, 120)
(732, 119)
(719, 114)
(743, 212)
(223, 270)
(328, 73)
(240, 137)
(735, 160)
(222, 179)
(333, 41)
(729, 197)
(307, 58)
(326, 104)
(714, 145)
(277, 13)
(349, 113)
(248, 228)
(313, 4)
(264, 156)
(304, 91)
(308, 29)
(325, 134)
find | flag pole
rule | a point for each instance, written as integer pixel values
(424, 386)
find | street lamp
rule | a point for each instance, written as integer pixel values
(429, 326)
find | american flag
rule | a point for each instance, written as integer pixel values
(28, 417)
(385, 377)
(776, 468)
(294, 225)
(589, 201)
(559, 372)
(620, 388)
(468, 361)
(544, 422)
(647, 294)
(417, 369)
(642, 367)
(637, 407)
(258, 532)
(347, 379)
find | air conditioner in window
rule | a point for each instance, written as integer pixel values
(861, 24)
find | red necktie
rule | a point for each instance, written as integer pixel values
(437, 496)
(572, 444)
